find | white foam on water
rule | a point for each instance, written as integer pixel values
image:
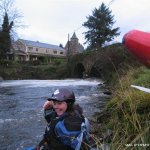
(83, 98)
(49, 83)
(7, 120)
(1, 121)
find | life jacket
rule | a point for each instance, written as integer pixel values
(73, 138)
(67, 132)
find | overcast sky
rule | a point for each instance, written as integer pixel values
(50, 21)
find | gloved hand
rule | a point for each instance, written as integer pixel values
(48, 110)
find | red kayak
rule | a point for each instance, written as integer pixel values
(138, 43)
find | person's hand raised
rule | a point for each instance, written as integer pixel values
(48, 104)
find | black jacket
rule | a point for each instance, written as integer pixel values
(72, 122)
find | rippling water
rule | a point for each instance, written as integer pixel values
(21, 114)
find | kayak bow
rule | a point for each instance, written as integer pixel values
(138, 43)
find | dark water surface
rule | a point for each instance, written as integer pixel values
(21, 114)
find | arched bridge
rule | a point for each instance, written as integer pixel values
(96, 63)
(85, 65)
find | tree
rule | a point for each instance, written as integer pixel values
(100, 25)
(8, 6)
(5, 38)
(9, 20)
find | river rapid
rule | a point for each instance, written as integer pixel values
(22, 121)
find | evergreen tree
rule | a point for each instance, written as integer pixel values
(100, 27)
(5, 38)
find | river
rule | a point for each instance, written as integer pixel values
(22, 122)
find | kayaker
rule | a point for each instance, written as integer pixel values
(67, 128)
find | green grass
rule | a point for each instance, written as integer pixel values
(129, 111)
(143, 78)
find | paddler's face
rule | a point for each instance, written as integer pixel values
(60, 107)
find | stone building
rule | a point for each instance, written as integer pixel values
(73, 46)
(25, 50)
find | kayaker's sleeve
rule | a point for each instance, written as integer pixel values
(48, 114)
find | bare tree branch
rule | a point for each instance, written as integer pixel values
(14, 15)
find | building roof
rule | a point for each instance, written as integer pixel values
(39, 44)
(74, 36)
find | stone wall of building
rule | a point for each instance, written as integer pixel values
(73, 46)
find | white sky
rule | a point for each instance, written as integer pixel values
(50, 21)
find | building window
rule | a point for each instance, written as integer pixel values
(61, 53)
(30, 48)
(55, 52)
(46, 50)
(37, 49)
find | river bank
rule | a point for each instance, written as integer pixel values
(127, 114)
(13, 70)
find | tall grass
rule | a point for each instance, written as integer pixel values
(129, 112)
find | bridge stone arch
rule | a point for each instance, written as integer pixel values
(97, 63)
(87, 67)
(83, 69)
(95, 71)
(79, 70)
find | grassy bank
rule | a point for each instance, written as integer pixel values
(56, 69)
(127, 114)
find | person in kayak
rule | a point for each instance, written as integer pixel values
(67, 128)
